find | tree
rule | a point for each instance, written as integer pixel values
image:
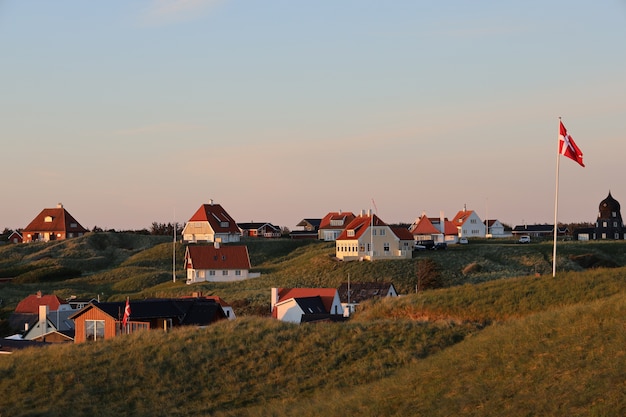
(427, 275)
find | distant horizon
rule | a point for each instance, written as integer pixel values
(137, 112)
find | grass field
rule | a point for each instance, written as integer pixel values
(505, 338)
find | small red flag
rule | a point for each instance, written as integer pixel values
(126, 313)
(568, 147)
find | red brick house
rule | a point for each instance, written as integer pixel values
(52, 224)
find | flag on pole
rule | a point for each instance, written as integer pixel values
(568, 147)
(126, 313)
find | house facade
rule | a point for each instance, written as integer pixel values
(367, 237)
(52, 224)
(211, 223)
(495, 229)
(308, 229)
(298, 305)
(609, 224)
(468, 224)
(52, 326)
(217, 263)
(333, 224)
(266, 230)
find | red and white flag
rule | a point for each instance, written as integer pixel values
(126, 313)
(568, 147)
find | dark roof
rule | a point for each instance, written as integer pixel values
(310, 222)
(11, 345)
(183, 311)
(533, 228)
(256, 226)
(311, 305)
(361, 291)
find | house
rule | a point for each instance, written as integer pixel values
(539, 230)
(9, 345)
(52, 327)
(437, 229)
(15, 237)
(468, 224)
(298, 305)
(333, 224)
(351, 294)
(495, 229)
(368, 237)
(99, 321)
(609, 224)
(309, 229)
(26, 312)
(217, 263)
(52, 224)
(267, 230)
(210, 223)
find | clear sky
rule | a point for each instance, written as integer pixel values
(131, 112)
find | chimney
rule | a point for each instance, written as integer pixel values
(59, 205)
(216, 243)
(210, 201)
(43, 318)
(274, 299)
(39, 294)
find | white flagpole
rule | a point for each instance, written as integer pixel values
(556, 203)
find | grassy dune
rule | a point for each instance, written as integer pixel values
(498, 340)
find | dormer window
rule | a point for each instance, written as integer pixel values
(48, 219)
(73, 225)
(351, 233)
(223, 224)
(336, 222)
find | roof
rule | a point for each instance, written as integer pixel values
(11, 345)
(327, 295)
(361, 291)
(223, 257)
(424, 227)
(462, 216)
(310, 222)
(217, 217)
(402, 233)
(30, 304)
(58, 219)
(311, 305)
(256, 226)
(184, 311)
(336, 216)
(543, 228)
(359, 225)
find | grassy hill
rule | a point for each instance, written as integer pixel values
(498, 340)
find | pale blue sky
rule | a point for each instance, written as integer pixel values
(130, 112)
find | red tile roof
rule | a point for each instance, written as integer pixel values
(59, 220)
(216, 216)
(346, 218)
(360, 225)
(326, 294)
(425, 227)
(224, 257)
(402, 233)
(31, 303)
(461, 217)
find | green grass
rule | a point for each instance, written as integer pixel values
(503, 339)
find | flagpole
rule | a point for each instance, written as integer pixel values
(556, 204)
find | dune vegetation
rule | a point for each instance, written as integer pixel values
(492, 334)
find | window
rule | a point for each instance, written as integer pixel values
(238, 273)
(94, 329)
(224, 272)
(212, 273)
(201, 273)
(614, 224)
(373, 232)
(382, 232)
(351, 233)
(48, 219)
(386, 247)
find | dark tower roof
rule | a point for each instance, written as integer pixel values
(608, 206)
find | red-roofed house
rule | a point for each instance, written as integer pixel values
(297, 305)
(52, 224)
(430, 228)
(368, 237)
(333, 224)
(27, 311)
(211, 223)
(468, 224)
(217, 263)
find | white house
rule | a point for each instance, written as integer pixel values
(211, 223)
(469, 224)
(368, 237)
(351, 294)
(333, 224)
(217, 263)
(297, 305)
(495, 229)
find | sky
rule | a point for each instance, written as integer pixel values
(140, 111)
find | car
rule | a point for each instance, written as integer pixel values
(524, 239)
(440, 246)
(463, 241)
(428, 244)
